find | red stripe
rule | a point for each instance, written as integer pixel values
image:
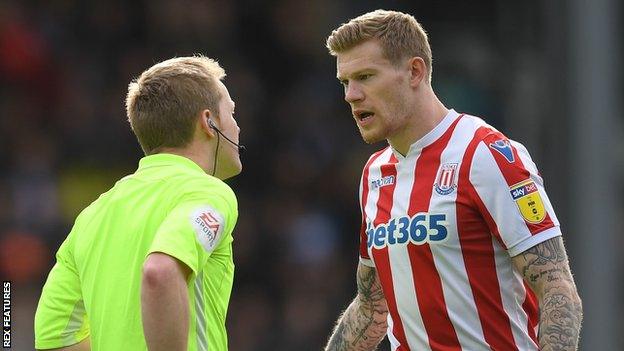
(514, 173)
(382, 259)
(365, 185)
(530, 307)
(478, 253)
(386, 193)
(485, 214)
(427, 283)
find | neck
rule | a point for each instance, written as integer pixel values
(426, 114)
(204, 161)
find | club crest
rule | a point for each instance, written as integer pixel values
(446, 180)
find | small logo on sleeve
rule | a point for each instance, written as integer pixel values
(208, 224)
(503, 147)
(446, 180)
(527, 197)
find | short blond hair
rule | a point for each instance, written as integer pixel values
(163, 103)
(399, 35)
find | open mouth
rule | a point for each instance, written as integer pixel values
(363, 115)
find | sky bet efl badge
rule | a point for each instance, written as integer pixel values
(529, 202)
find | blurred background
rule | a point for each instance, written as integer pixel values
(543, 72)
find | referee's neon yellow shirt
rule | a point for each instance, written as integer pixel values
(168, 205)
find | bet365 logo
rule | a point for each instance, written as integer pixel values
(419, 229)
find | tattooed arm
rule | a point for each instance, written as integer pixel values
(546, 269)
(363, 325)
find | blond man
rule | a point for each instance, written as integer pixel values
(460, 248)
(148, 265)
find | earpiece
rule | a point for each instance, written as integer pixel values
(213, 126)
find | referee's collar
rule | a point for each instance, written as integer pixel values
(157, 160)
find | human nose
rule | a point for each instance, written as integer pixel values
(353, 93)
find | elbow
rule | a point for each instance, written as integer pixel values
(564, 298)
(154, 276)
(158, 273)
(579, 304)
(576, 300)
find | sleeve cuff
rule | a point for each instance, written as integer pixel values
(533, 240)
(367, 262)
(56, 344)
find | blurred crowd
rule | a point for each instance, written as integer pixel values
(64, 70)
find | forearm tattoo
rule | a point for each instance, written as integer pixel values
(545, 267)
(363, 325)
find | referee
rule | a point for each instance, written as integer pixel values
(148, 265)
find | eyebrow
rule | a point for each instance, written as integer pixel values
(355, 73)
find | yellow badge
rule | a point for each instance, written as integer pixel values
(529, 202)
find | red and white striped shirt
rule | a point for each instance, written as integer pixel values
(440, 226)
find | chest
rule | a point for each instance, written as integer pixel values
(410, 205)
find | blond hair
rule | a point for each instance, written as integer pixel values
(399, 35)
(164, 102)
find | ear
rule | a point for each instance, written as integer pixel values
(204, 125)
(418, 71)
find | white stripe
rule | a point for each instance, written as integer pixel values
(400, 265)
(200, 317)
(513, 285)
(394, 343)
(447, 255)
(492, 188)
(75, 322)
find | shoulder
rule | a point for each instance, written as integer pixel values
(495, 161)
(201, 193)
(488, 143)
(477, 129)
(378, 157)
(205, 187)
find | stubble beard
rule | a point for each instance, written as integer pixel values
(370, 137)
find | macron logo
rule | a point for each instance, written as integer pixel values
(504, 148)
(378, 183)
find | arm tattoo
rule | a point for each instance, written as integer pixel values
(363, 325)
(545, 268)
(369, 287)
(548, 253)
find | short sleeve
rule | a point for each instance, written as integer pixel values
(363, 248)
(511, 191)
(364, 257)
(61, 319)
(192, 231)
